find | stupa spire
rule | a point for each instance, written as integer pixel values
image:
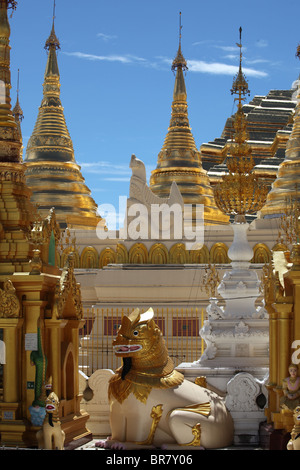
(51, 170)
(17, 110)
(8, 127)
(179, 61)
(179, 160)
(16, 211)
(18, 113)
(239, 192)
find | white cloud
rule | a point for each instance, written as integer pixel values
(231, 56)
(228, 48)
(262, 43)
(256, 61)
(112, 172)
(118, 179)
(110, 58)
(123, 59)
(106, 37)
(103, 167)
(218, 68)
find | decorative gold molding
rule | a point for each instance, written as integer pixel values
(9, 302)
(67, 298)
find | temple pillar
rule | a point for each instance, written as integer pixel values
(54, 351)
(285, 316)
(74, 326)
(10, 379)
(11, 424)
(32, 315)
(273, 379)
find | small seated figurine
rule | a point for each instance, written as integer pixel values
(291, 389)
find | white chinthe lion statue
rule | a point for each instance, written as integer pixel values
(151, 404)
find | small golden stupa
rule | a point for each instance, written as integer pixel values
(179, 160)
(51, 170)
(239, 193)
(16, 211)
(286, 186)
(18, 115)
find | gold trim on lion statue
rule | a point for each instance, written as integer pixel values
(151, 404)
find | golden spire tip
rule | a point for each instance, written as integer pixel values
(179, 60)
(240, 85)
(52, 41)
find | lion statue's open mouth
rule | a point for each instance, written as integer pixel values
(123, 349)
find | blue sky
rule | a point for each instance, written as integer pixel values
(116, 78)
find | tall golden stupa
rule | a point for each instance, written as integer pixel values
(51, 170)
(16, 211)
(179, 160)
(285, 188)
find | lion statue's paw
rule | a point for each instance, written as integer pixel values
(104, 443)
(118, 445)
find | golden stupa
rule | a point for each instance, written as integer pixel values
(285, 188)
(51, 170)
(16, 211)
(179, 160)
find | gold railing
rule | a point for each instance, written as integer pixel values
(180, 328)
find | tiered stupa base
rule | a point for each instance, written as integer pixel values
(235, 361)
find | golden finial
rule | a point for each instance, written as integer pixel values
(52, 40)
(239, 192)
(240, 84)
(180, 28)
(17, 111)
(179, 60)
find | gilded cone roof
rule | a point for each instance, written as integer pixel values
(52, 172)
(179, 160)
